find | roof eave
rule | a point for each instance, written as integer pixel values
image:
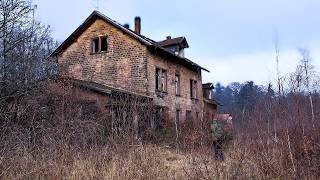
(143, 40)
(154, 47)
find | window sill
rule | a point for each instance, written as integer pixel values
(102, 52)
(161, 93)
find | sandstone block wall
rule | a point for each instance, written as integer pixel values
(122, 66)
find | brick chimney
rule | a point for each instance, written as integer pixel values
(168, 37)
(137, 24)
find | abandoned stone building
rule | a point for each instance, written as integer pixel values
(106, 57)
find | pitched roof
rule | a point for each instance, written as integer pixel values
(181, 41)
(104, 89)
(213, 101)
(93, 86)
(151, 44)
(207, 86)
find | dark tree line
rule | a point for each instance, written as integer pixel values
(240, 98)
(25, 45)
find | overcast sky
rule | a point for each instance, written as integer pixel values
(234, 39)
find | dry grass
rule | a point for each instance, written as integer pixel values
(141, 162)
(274, 141)
(244, 160)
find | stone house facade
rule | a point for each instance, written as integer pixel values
(210, 104)
(104, 53)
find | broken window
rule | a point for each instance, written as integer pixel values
(193, 89)
(177, 84)
(210, 94)
(100, 45)
(104, 44)
(164, 80)
(161, 80)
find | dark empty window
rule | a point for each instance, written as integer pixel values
(188, 116)
(193, 89)
(100, 45)
(177, 84)
(104, 44)
(161, 80)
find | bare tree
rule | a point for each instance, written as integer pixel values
(306, 69)
(25, 44)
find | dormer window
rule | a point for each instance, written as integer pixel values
(173, 49)
(210, 94)
(99, 45)
(174, 45)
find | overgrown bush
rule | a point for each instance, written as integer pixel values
(43, 137)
